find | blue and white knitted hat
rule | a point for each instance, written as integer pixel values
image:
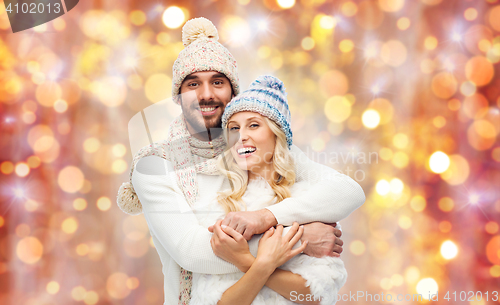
(267, 96)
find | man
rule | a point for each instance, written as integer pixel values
(205, 76)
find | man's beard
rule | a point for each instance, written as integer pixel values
(200, 123)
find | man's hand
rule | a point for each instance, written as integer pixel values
(249, 223)
(323, 239)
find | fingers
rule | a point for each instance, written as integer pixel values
(268, 233)
(293, 230)
(297, 236)
(337, 249)
(339, 242)
(211, 229)
(337, 232)
(299, 249)
(232, 232)
(279, 230)
(218, 230)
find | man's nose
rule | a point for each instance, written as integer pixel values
(205, 92)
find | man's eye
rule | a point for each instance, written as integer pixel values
(192, 85)
(218, 82)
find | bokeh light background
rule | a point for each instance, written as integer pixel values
(412, 86)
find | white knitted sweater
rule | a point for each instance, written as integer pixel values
(324, 276)
(180, 239)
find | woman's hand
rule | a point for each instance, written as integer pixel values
(230, 245)
(275, 249)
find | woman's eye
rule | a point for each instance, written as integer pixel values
(254, 125)
(233, 128)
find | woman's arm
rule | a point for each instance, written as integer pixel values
(230, 245)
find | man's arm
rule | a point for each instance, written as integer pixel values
(174, 224)
(330, 197)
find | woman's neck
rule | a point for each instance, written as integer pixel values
(266, 174)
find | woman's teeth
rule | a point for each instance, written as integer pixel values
(246, 150)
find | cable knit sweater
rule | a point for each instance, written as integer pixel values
(179, 238)
(324, 276)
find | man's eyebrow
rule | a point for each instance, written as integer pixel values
(217, 75)
(191, 76)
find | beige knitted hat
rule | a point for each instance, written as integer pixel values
(203, 53)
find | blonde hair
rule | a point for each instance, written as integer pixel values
(283, 173)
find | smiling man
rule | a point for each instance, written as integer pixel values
(204, 81)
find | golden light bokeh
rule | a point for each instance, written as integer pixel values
(70, 179)
(173, 17)
(116, 286)
(479, 70)
(449, 249)
(444, 85)
(426, 287)
(439, 162)
(357, 247)
(29, 250)
(53, 287)
(334, 82)
(337, 109)
(103, 203)
(69, 225)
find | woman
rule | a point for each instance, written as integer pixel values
(261, 172)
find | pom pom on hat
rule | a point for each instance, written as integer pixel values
(128, 201)
(198, 28)
(269, 81)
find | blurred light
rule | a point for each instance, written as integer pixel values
(449, 250)
(439, 121)
(116, 286)
(430, 43)
(60, 106)
(132, 283)
(79, 204)
(29, 250)
(52, 287)
(346, 46)
(454, 104)
(495, 271)
(337, 109)
(375, 89)
(327, 22)
(307, 43)
(383, 187)
(69, 225)
(19, 192)
(262, 25)
(418, 203)
(119, 150)
(173, 17)
(446, 204)
(479, 70)
(396, 186)
(470, 14)
(286, 3)
(78, 293)
(91, 298)
(22, 169)
(357, 247)
(439, 162)
(400, 159)
(137, 17)
(493, 250)
(405, 222)
(349, 8)
(491, 227)
(82, 249)
(91, 145)
(445, 226)
(7, 167)
(70, 179)
(412, 274)
(474, 198)
(427, 286)
(393, 53)
(103, 203)
(403, 23)
(468, 88)
(456, 37)
(370, 118)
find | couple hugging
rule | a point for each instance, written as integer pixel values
(237, 213)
